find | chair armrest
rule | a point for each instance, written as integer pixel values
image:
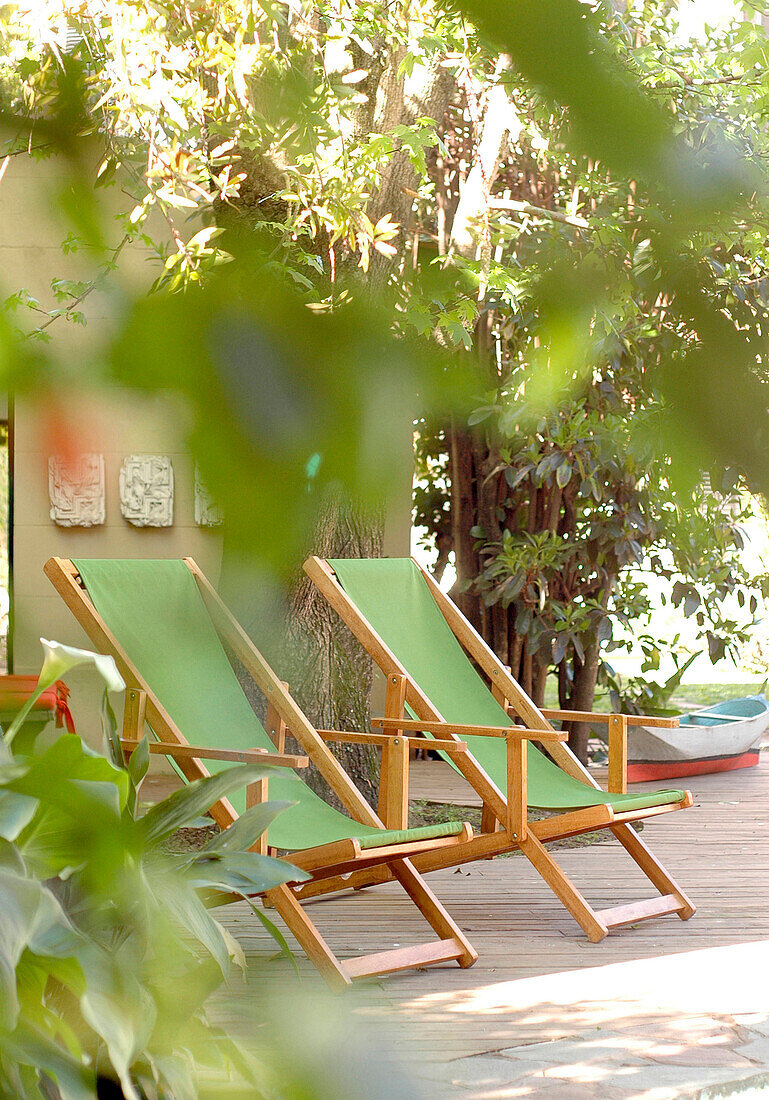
(618, 726)
(591, 716)
(521, 732)
(384, 739)
(240, 756)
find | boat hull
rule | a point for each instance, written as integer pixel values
(705, 742)
(645, 771)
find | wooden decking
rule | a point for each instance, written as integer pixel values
(719, 852)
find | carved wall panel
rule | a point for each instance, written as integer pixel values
(76, 491)
(147, 490)
(207, 512)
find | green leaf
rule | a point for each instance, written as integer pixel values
(245, 872)
(31, 1047)
(479, 415)
(184, 805)
(110, 732)
(674, 682)
(190, 912)
(19, 899)
(244, 832)
(563, 475)
(285, 951)
(691, 603)
(70, 762)
(52, 934)
(514, 477)
(16, 812)
(139, 762)
(178, 1075)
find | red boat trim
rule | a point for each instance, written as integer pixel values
(641, 771)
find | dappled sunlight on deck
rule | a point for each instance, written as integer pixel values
(681, 1003)
(725, 980)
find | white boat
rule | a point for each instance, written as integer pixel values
(720, 738)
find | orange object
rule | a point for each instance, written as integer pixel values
(15, 690)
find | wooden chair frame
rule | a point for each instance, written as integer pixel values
(326, 863)
(510, 808)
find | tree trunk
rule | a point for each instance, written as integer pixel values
(305, 641)
(540, 681)
(500, 118)
(463, 511)
(389, 104)
(582, 694)
(329, 671)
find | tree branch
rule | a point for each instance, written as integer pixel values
(538, 211)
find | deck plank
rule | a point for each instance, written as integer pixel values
(718, 850)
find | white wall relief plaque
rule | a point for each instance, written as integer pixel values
(76, 490)
(207, 513)
(147, 490)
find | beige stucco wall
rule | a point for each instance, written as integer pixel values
(113, 424)
(146, 427)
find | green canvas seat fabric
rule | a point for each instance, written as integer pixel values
(392, 595)
(156, 613)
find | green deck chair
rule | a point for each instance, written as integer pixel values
(162, 622)
(414, 632)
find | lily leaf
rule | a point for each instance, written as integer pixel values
(121, 1011)
(186, 804)
(244, 832)
(246, 872)
(16, 812)
(190, 912)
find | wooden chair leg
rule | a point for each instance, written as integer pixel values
(432, 910)
(652, 868)
(617, 754)
(275, 726)
(308, 937)
(395, 759)
(563, 888)
(517, 810)
(489, 820)
(384, 784)
(596, 923)
(452, 945)
(393, 806)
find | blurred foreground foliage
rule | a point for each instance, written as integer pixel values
(114, 972)
(108, 952)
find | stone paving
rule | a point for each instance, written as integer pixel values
(645, 1045)
(611, 1064)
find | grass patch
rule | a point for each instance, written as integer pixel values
(688, 696)
(190, 839)
(422, 812)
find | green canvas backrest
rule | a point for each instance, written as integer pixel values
(393, 597)
(156, 613)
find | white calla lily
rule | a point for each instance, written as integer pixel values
(58, 660)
